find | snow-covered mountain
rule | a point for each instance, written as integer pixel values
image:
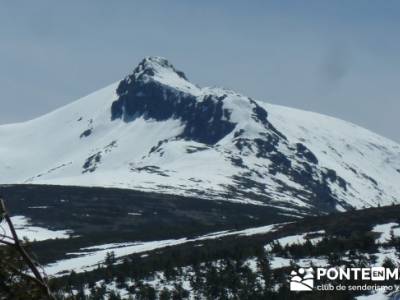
(156, 131)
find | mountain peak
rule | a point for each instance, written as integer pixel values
(162, 61)
(155, 72)
(156, 90)
(156, 66)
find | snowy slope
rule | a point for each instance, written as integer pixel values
(155, 130)
(88, 258)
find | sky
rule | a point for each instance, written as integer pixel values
(340, 58)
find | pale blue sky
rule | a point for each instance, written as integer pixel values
(340, 58)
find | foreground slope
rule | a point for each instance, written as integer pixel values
(156, 131)
(167, 242)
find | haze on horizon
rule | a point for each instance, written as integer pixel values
(338, 58)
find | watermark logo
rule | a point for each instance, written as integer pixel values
(302, 280)
(321, 279)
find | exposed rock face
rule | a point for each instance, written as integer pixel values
(207, 120)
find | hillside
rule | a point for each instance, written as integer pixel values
(123, 242)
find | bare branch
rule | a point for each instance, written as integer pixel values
(28, 260)
(22, 274)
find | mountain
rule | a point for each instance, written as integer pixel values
(156, 131)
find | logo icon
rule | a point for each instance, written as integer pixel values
(378, 273)
(302, 280)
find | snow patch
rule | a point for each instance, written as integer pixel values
(24, 229)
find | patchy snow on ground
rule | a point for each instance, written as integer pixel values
(24, 229)
(89, 257)
(379, 295)
(314, 237)
(384, 253)
(135, 214)
(278, 262)
(385, 231)
(282, 262)
(38, 207)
